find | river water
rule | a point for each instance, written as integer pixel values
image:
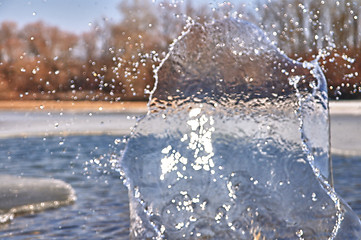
(101, 211)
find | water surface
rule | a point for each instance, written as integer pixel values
(101, 210)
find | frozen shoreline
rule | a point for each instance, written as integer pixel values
(345, 124)
(43, 124)
(20, 195)
(345, 107)
(345, 119)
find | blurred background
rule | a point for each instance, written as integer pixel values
(106, 50)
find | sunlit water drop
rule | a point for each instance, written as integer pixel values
(235, 144)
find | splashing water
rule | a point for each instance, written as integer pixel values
(235, 144)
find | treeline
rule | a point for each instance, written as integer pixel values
(110, 62)
(329, 29)
(115, 61)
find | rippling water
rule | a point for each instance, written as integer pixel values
(101, 210)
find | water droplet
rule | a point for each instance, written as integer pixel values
(299, 233)
(314, 197)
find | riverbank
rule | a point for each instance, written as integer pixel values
(345, 121)
(48, 118)
(73, 106)
(349, 107)
(345, 107)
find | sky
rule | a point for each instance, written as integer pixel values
(71, 15)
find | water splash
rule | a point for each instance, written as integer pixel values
(235, 144)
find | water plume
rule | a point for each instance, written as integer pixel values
(235, 144)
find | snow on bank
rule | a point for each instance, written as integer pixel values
(345, 124)
(20, 195)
